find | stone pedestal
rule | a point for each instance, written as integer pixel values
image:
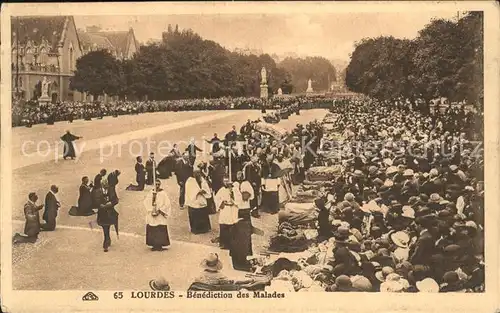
(264, 92)
(44, 100)
(309, 90)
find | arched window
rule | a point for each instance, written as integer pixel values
(43, 57)
(71, 58)
(29, 58)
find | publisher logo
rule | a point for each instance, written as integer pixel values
(90, 296)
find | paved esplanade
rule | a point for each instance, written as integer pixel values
(71, 257)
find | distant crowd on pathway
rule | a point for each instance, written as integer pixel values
(31, 112)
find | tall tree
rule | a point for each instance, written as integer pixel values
(98, 73)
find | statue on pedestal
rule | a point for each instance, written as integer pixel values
(280, 92)
(309, 86)
(45, 87)
(263, 74)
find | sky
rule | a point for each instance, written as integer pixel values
(331, 35)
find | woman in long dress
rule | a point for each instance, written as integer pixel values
(158, 210)
(197, 193)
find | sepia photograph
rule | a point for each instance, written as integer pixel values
(233, 151)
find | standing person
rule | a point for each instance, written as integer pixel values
(231, 137)
(85, 198)
(217, 175)
(252, 174)
(69, 149)
(228, 216)
(207, 171)
(183, 171)
(140, 174)
(197, 192)
(158, 209)
(191, 150)
(215, 142)
(113, 181)
(270, 185)
(241, 236)
(32, 224)
(236, 162)
(106, 214)
(52, 205)
(150, 167)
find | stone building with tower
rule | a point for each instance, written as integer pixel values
(49, 46)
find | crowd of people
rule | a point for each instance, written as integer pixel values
(31, 112)
(404, 214)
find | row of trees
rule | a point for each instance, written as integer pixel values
(445, 60)
(184, 65)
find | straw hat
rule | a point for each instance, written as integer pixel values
(408, 212)
(428, 285)
(400, 239)
(212, 262)
(159, 284)
(391, 170)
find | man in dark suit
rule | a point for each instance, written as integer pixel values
(150, 166)
(140, 175)
(215, 142)
(32, 214)
(183, 171)
(230, 137)
(106, 214)
(52, 205)
(424, 248)
(191, 150)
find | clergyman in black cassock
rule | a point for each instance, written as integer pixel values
(150, 166)
(183, 171)
(69, 149)
(85, 198)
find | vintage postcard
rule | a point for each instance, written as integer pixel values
(285, 156)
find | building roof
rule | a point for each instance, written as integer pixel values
(119, 39)
(38, 29)
(90, 40)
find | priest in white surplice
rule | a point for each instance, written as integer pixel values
(158, 211)
(228, 212)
